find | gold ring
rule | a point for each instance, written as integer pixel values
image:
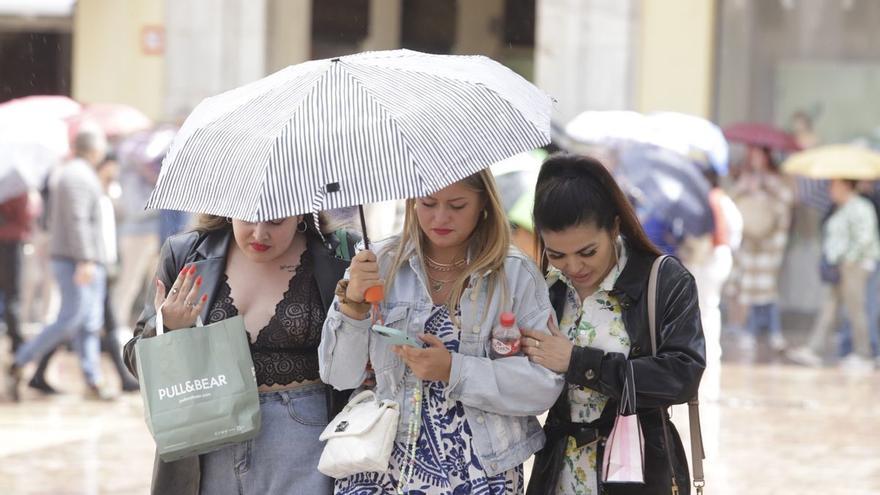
(537, 343)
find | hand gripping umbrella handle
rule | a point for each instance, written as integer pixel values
(375, 294)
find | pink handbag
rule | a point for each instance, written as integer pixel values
(624, 459)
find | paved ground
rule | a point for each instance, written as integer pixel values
(775, 429)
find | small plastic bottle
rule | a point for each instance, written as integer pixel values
(506, 337)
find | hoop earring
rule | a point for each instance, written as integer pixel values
(302, 226)
(228, 220)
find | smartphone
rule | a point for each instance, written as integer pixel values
(395, 336)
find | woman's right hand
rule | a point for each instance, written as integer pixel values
(362, 274)
(183, 304)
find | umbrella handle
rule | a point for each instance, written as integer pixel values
(375, 294)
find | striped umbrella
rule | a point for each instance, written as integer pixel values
(346, 131)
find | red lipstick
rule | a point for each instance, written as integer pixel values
(260, 248)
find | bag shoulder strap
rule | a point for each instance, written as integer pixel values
(343, 250)
(696, 434)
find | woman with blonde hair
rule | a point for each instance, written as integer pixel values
(467, 421)
(279, 276)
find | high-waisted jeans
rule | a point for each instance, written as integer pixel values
(283, 458)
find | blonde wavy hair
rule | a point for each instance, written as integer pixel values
(489, 242)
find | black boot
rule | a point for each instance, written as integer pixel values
(38, 381)
(40, 384)
(13, 378)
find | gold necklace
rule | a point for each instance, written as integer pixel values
(444, 267)
(437, 284)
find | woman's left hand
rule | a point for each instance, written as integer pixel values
(433, 363)
(551, 351)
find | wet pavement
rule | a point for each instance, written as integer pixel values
(774, 428)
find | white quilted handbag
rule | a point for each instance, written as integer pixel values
(361, 437)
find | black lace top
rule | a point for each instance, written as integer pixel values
(286, 349)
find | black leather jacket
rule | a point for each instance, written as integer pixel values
(208, 252)
(672, 377)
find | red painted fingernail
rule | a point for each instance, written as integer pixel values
(192, 269)
(182, 271)
(204, 297)
(199, 280)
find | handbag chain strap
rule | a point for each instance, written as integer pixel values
(696, 434)
(412, 438)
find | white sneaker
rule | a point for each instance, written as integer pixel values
(856, 364)
(747, 342)
(777, 343)
(805, 356)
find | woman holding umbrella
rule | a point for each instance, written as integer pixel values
(449, 276)
(279, 276)
(598, 261)
(765, 201)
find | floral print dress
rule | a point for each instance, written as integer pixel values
(596, 322)
(445, 461)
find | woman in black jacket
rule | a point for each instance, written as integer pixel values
(598, 261)
(280, 277)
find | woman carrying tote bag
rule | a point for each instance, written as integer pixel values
(280, 277)
(598, 261)
(467, 421)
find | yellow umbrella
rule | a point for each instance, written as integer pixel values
(837, 161)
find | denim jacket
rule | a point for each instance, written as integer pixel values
(500, 397)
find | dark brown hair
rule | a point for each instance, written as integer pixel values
(575, 190)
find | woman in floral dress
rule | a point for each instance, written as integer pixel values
(598, 260)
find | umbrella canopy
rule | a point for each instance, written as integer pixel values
(678, 132)
(145, 147)
(340, 132)
(610, 127)
(840, 161)
(697, 133)
(668, 186)
(44, 107)
(28, 151)
(115, 119)
(762, 135)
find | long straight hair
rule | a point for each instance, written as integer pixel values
(488, 243)
(574, 190)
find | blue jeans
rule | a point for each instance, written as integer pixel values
(283, 458)
(765, 316)
(80, 319)
(872, 308)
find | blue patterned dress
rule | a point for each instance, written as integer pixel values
(445, 460)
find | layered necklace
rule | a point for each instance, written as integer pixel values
(438, 284)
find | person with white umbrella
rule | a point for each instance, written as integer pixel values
(361, 129)
(448, 278)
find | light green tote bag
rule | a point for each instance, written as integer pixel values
(199, 387)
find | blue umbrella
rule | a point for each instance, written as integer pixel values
(664, 185)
